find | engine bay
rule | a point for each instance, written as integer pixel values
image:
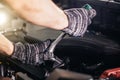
(95, 56)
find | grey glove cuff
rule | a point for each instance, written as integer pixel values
(78, 20)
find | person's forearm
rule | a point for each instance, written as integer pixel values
(44, 12)
(40, 12)
(6, 46)
(26, 53)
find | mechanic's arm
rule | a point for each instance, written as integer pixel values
(46, 13)
(40, 12)
(6, 46)
(27, 53)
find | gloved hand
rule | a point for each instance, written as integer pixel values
(79, 19)
(30, 53)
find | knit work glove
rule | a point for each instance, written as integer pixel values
(32, 54)
(78, 20)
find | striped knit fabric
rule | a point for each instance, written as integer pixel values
(30, 53)
(78, 20)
